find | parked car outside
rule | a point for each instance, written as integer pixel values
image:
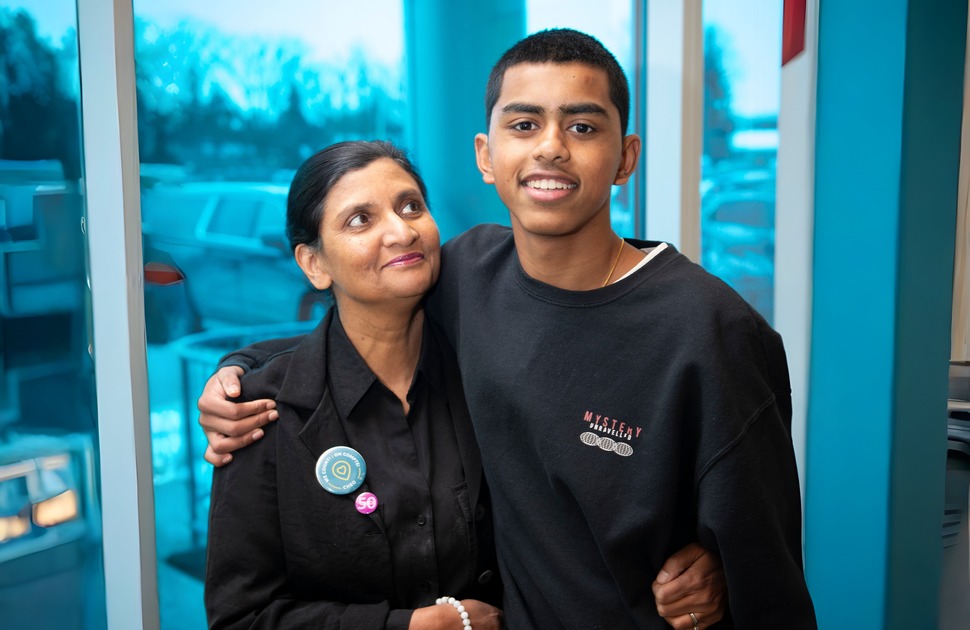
(738, 240)
(740, 179)
(228, 241)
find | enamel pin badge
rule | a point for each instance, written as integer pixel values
(341, 470)
(366, 502)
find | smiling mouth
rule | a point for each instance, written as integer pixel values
(549, 184)
(406, 259)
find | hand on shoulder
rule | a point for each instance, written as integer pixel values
(228, 425)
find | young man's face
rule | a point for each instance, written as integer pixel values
(555, 147)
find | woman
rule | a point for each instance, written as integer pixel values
(364, 503)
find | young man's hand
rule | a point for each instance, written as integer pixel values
(230, 426)
(691, 582)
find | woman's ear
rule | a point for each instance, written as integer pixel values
(483, 158)
(311, 262)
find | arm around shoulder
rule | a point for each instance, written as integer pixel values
(229, 424)
(257, 354)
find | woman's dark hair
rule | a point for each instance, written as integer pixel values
(561, 45)
(317, 176)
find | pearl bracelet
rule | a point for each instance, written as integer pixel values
(461, 610)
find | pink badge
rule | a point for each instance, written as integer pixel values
(366, 502)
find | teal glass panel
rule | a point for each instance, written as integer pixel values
(51, 572)
(231, 100)
(742, 92)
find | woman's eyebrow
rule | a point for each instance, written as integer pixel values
(408, 193)
(353, 208)
(367, 206)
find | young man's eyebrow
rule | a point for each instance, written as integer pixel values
(523, 108)
(569, 109)
(582, 108)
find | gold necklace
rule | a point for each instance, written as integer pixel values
(613, 268)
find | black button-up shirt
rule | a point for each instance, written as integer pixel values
(413, 466)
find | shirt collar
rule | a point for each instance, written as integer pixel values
(352, 378)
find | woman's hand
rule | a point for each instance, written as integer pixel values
(445, 617)
(691, 581)
(230, 426)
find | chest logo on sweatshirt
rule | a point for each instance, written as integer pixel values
(609, 434)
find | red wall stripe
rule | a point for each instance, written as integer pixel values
(793, 30)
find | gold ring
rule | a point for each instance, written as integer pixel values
(693, 619)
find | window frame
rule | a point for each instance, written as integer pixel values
(113, 216)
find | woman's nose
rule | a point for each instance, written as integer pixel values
(398, 231)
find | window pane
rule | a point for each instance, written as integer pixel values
(51, 573)
(742, 87)
(230, 103)
(234, 217)
(613, 24)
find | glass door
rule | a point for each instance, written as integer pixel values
(51, 570)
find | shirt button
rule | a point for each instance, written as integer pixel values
(485, 577)
(479, 512)
(426, 587)
(421, 519)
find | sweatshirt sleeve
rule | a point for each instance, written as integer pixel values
(257, 354)
(748, 499)
(749, 512)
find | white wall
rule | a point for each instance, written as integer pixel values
(794, 224)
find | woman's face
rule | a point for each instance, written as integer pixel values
(378, 242)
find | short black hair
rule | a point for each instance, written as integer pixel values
(561, 45)
(317, 176)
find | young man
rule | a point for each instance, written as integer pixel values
(626, 402)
